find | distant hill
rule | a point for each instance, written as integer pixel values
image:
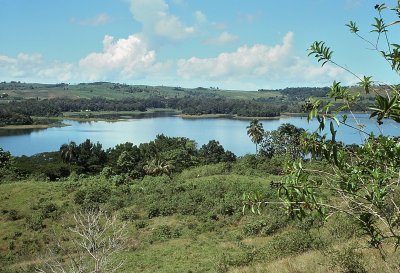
(18, 90)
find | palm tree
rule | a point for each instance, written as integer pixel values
(158, 167)
(256, 132)
(68, 152)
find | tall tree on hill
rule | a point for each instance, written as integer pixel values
(68, 152)
(256, 132)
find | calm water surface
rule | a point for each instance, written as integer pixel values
(230, 133)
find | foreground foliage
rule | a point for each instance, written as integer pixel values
(362, 182)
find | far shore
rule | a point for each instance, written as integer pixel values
(229, 116)
(32, 126)
(117, 116)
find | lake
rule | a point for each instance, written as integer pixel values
(231, 133)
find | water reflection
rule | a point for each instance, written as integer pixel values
(16, 132)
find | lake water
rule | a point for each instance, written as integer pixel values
(232, 134)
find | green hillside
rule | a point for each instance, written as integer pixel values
(201, 227)
(108, 90)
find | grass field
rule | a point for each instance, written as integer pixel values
(182, 242)
(117, 91)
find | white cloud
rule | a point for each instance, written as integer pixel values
(122, 59)
(129, 59)
(222, 39)
(32, 67)
(258, 63)
(158, 21)
(99, 19)
(61, 71)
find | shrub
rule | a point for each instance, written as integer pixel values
(13, 215)
(129, 215)
(50, 210)
(273, 221)
(342, 227)
(347, 261)
(205, 170)
(163, 208)
(141, 224)
(35, 222)
(92, 195)
(289, 243)
(164, 233)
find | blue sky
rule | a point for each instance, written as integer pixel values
(231, 44)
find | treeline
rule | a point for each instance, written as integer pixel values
(11, 118)
(163, 156)
(302, 92)
(192, 105)
(201, 105)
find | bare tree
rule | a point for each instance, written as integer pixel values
(96, 237)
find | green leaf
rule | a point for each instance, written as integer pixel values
(336, 120)
(352, 27)
(333, 132)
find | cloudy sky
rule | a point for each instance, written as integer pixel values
(232, 44)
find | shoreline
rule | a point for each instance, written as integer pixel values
(33, 126)
(229, 116)
(119, 116)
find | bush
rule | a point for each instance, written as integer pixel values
(272, 222)
(259, 165)
(129, 215)
(342, 227)
(163, 208)
(91, 196)
(141, 224)
(289, 243)
(205, 170)
(13, 215)
(347, 261)
(164, 233)
(35, 222)
(46, 209)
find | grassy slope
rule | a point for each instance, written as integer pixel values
(106, 90)
(220, 246)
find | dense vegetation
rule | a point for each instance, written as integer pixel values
(12, 118)
(182, 208)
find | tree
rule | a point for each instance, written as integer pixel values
(5, 162)
(68, 152)
(96, 238)
(129, 162)
(158, 167)
(256, 132)
(213, 152)
(5, 158)
(362, 182)
(283, 141)
(87, 156)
